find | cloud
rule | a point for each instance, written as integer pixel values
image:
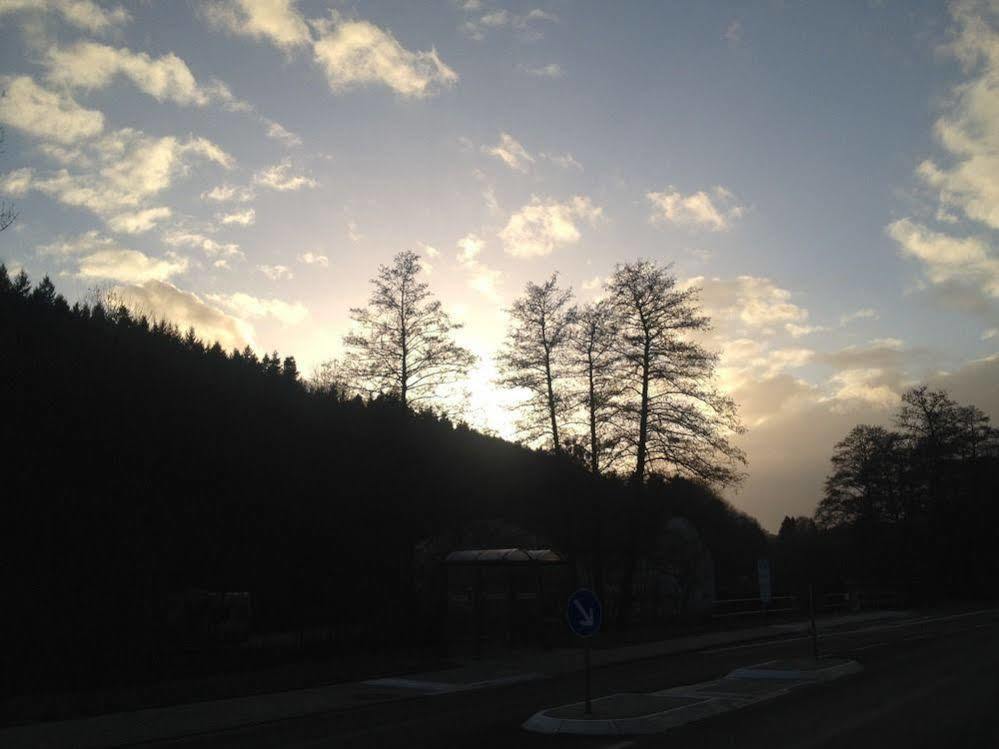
(129, 266)
(275, 21)
(122, 170)
(733, 32)
(797, 331)
(276, 272)
(697, 210)
(861, 314)
(226, 193)
(544, 224)
(98, 256)
(278, 177)
(947, 258)
(136, 222)
(211, 247)
(312, 258)
(551, 70)
(969, 129)
(565, 160)
(83, 14)
(161, 300)
(353, 232)
(469, 247)
(750, 302)
(44, 114)
(89, 66)
(524, 24)
(358, 53)
(243, 218)
(244, 305)
(279, 132)
(481, 277)
(510, 152)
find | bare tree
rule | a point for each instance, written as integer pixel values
(403, 343)
(595, 361)
(330, 379)
(7, 212)
(673, 417)
(536, 357)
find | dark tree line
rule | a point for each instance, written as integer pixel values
(914, 507)
(141, 461)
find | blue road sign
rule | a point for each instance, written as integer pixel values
(584, 613)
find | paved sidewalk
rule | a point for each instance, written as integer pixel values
(124, 729)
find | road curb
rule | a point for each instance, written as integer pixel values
(738, 689)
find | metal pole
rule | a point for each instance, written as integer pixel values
(589, 707)
(811, 611)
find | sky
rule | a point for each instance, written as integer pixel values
(826, 173)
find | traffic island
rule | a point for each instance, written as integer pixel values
(803, 669)
(656, 712)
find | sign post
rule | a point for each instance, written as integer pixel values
(763, 576)
(584, 615)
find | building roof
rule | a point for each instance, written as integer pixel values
(504, 556)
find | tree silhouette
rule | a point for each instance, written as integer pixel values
(403, 341)
(672, 415)
(7, 212)
(864, 485)
(536, 356)
(595, 363)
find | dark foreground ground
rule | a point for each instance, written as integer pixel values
(929, 683)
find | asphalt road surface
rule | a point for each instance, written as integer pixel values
(933, 682)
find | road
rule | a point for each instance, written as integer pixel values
(932, 682)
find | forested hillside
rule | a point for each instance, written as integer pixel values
(141, 462)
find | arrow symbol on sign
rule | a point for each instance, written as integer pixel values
(587, 620)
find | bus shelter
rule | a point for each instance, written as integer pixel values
(506, 598)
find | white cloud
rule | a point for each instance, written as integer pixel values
(83, 14)
(861, 314)
(278, 177)
(358, 53)
(211, 247)
(161, 300)
(243, 218)
(481, 277)
(279, 132)
(865, 385)
(276, 21)
(313, 258)
(969, 129)
(697, 210)
(593, 284)
(123, 170)
(353, 232)
(947, 258)
(136, 222)
(244, 305)
(89, 65)
(989, 334)
(752, 302)
(797, 331)
(544, 224)
(564, 160)
(226, 193)
(129, 266)
(86, 242)
(44, 114)
(276, 272)
(551, 70)
(510, 152)
(429, 251)
(469, 248)
(524, 24)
